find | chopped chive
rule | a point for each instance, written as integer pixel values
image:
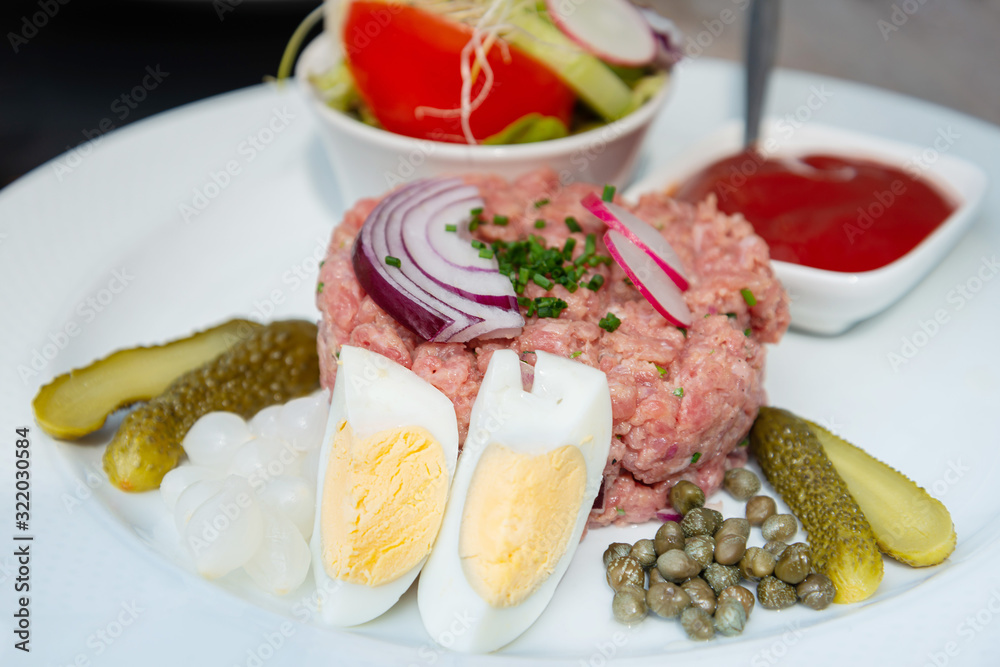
(661, 370)
(539, 224)
(474, 224)
(319, 288)
(576, 354)
(683, 331)
(679, 392)
(620, 511)
(523, 275)
(337, 354)
(542, 281)
(749, 297)
(523, 301)
(609, 193)
(731, 316)
(697, 455)
(477, 244)
(541, 202)
(744, 442)
(590, 247)
(476, 212)
(451, 228)
(595, 282)
(500, 220)
(486, 253)
(609, 322)
(322, 263)
(628, 281)
(573, 225)
(568, 248)
(393, 261)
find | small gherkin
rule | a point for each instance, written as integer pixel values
(843, 545)
(274, 364)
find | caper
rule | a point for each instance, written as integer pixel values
(629, 604)
(697, 624)
(644, 552)
(721, 577)
(794, 564)
(739, 593)
(816, 591)
(716, 517)
(775, 547)
(616, 550)
(625, 571)
(730, 617)
(734, 526)
(779, 527)
(775, 594)
(701, 594)
(699, 521)
(667, 600)
(668, 536)
(677, 566)
(701, 549)
(685, 496)
(756, 563)
(729, 549)
(655, 577)
(741, 483)
(759, 508)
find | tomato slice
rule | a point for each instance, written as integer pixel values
(403, 58)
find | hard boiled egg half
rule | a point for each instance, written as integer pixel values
(386, 465)
(530, 470)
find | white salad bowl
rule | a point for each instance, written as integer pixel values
(368, 161)
(830, 302)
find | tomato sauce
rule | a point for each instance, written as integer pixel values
(834, 213)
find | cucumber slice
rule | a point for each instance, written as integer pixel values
(596, 84)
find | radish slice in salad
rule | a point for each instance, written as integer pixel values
(612, 30)
(415, 258)
(640, 233)
(647, 276)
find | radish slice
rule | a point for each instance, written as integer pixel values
(612, 30)
(431, 280)
(640, 233)
(651, 281)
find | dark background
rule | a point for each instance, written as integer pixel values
(66, 78)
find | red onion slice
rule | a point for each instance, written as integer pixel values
(651, 281)
(641, 233)
(451, 297)
(669, 515)
(612, 30)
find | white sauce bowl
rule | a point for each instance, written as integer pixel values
(830, 302)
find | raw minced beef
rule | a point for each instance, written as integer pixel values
(683, 401)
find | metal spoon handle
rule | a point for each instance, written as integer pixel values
(761, 44)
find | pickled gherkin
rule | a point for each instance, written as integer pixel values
(274, 364)
(843, 545)
(909, 524)
(79, 402)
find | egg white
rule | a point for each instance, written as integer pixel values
(373, 393)
(569, 404)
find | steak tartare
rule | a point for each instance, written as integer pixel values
(683, 400)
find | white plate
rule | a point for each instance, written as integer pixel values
(108, 585)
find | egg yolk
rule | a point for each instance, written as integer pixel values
(518, 518)
(383, 500)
